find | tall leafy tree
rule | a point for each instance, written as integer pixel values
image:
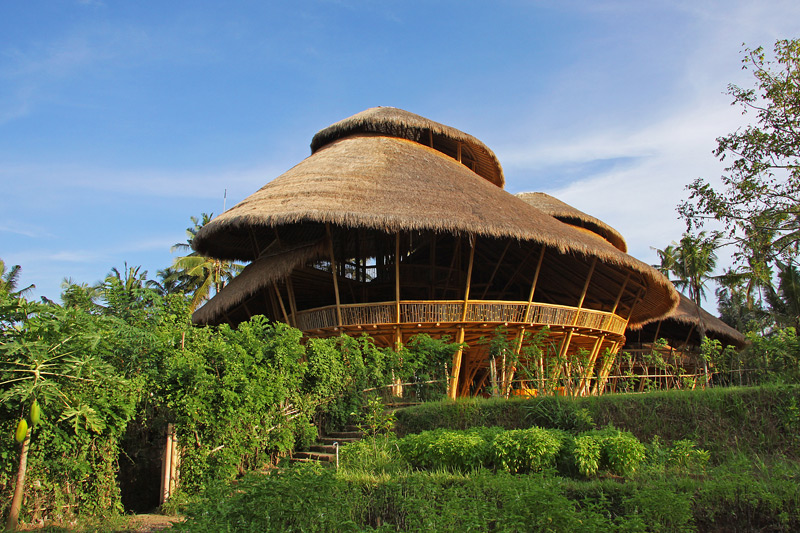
(759, 201)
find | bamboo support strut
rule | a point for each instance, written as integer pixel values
(453, 389)
(169, 465)
(335, 276)
(472, 244)
(397, 275)
(280, 301)
(533, 284)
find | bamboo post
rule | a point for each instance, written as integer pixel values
(292, 301)
(335, 276)
(533, 284)
(397, 275)
(280, 301)
(456, 365)
(584, 387)
(512, 369)
(397, 389)
(496, 268)
(166, 465)
(472, 244)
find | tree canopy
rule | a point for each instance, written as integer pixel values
(759, 200)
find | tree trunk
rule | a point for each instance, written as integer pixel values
(19, 488)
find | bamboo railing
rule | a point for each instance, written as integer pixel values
(452, 311)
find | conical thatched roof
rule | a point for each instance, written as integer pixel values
(393, 122)
(393, 184)
(689, 315)
(569, 215)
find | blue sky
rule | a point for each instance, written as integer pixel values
(120, 120)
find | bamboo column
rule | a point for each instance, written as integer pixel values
(397, 275)
(169, 465)
(565, 346)
(335, 276)
(453, 392)
(280, 301)
(533, 284)
(292, 301)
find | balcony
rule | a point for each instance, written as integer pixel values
(452, 311)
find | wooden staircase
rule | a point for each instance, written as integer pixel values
(324, 451)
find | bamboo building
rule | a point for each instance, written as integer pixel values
(397, 225)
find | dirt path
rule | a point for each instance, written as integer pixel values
(145, 523)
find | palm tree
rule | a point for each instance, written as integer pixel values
(9, 280)
(691, 262)
(785, 302)
(203, 276)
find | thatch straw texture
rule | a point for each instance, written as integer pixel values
(259, 274)
(569, 215)
(392, 184)
(688, 315)
(393, 122)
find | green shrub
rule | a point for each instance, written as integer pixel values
(526, 450)
(686, 457)
(452, 450)
(588, 451)
(610, 449)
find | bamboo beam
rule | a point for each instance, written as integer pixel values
(453, 390)
(621, 292)
(456, 253)
(335, 277)
(270, 302)
(533, 284)
(432, 290)
(517, 271)
(280, 301)
(496, 267)
(584, 387)
(604, 372)
(397, 275)
(658, 330)
(292, 301)
(472, 244)
(513, 369)
(586, 287)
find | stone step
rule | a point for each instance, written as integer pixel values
(345, 435)
(322, 448)
(341, 440)
(315, 456)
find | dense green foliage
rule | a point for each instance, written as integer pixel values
(114, 365)
(762, 420)
(670, 490)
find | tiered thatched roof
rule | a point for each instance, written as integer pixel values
(574, 217)
(388, 183)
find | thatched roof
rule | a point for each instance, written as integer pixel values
(569, 215)
(393, 122)
(689, 315)
(268, 268)
(391, 185)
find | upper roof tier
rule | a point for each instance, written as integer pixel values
(569, 215)
(393, 122)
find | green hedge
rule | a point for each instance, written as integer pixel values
(764, 420)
